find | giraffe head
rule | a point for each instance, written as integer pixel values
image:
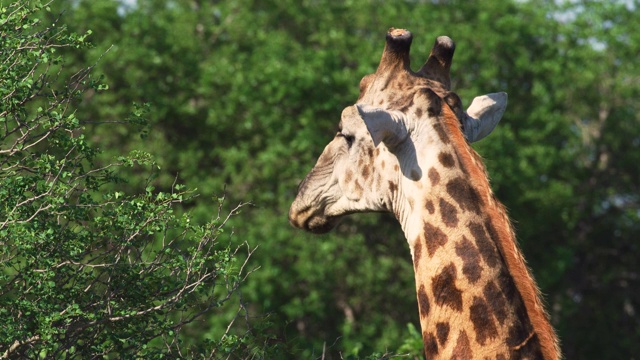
(388, 137)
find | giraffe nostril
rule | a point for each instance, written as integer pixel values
(293, 221)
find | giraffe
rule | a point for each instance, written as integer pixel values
(404, 148)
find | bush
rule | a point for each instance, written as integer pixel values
(88, 269)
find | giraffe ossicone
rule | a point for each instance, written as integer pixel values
(401, 149)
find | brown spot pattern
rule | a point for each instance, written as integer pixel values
(419, 112)
(434, 176)
(482, 320)
(496, 300)
(532, 349)
(444, 288)
(470, 259)
(454, 102)
(435, 102)
(442, 331)
(486, 247)
(441, 133)
(417, 252)
(446, 160)
(430, 207)
(462, 351)
(521, 327)
(348, 176)
(434, 238)
(392, 187)
(517, 334)
(507, 286)
(366, 171)
(430, 344)
(464, 194)
(449, 213)
(423, 302)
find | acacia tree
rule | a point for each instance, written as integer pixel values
(87, 269)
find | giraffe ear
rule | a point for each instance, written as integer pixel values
(483, 115)
(384, 126)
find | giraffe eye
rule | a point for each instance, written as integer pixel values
(348, 138)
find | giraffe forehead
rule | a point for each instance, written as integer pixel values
(393, 87)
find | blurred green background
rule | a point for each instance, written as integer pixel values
(245, 94)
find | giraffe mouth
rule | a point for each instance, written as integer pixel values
(321, 225)
(311, 221)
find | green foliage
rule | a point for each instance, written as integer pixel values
(87, 270)
(245, 94)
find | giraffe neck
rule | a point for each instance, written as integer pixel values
(475, 295)
(468, 301)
